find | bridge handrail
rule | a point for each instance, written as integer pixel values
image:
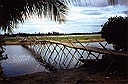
(88, 48)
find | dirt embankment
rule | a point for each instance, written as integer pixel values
(71, 76)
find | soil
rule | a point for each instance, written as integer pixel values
(70, 76)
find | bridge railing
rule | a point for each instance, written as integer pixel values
(56, 55)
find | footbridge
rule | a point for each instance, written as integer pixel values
(64, 55)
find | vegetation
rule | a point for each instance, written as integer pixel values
(115, 32)
(55, 38)
(2, 49)
(73, 38)
(47, 34)
(14, 12)
(12, 39)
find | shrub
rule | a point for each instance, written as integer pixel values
(115, 31)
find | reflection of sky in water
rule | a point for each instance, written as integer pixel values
(96, 44)
(20, 61)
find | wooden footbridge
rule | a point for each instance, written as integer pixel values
(60, 55)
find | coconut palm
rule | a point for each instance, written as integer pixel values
(12, 12)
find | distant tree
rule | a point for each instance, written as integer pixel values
(115, 31)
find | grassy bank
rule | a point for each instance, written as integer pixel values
(55, 38)
(12, 39)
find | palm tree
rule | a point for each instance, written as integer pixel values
(12, 12)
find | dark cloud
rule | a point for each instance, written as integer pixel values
(123, 2)
(88, 10)
(101, 3)
(94, 3)
(93, 13)
(125, 12)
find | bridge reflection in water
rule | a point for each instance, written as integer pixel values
(56, 55)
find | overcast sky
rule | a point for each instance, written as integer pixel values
(84, 18)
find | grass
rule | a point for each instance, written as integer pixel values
(70, 38)
(12, 39)
(56, 38)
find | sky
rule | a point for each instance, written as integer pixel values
(85, 18)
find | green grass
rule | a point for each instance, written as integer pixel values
(12, 39)
(71, 38)
(57, 38)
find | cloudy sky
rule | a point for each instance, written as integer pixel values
(80, 19)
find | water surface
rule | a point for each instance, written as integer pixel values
(20, 61)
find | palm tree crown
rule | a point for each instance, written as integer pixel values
(12, 12)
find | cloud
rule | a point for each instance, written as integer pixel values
(101, 3)
(93, 13)
(94, 3)
(125, 12)
(80, 19)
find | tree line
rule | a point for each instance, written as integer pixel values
(46, 34)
